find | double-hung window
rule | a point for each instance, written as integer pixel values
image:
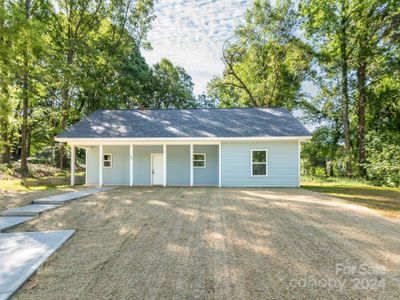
(199, 160)
(107, 160)
(259, 162)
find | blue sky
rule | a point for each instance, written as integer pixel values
(190, 33)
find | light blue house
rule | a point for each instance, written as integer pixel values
(240, 147)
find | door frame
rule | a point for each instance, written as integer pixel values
(151, 166)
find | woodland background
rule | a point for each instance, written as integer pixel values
(61, 60)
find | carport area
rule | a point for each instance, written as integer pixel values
(217, 243)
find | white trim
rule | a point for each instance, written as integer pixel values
(266, 163)
(191, 164)
(299, 166)
(73, 153)
(219, 165)
(101, 165)
(131, 165)
(86, 166)
(205, 160)
(171, 141)
(165, 165)
(111, 160)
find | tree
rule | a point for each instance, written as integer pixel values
(5, 105)
(375, 23)
(172, 87)
(265, 63)
(206, 101)
(323, 151)
(25, 19)
(328, 25)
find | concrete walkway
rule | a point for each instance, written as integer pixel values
(22, 253)
(10, 222)
(63, 198)
(30, 210)
(17, 215)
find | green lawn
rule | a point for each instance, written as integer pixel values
(15, 185)
(384, 199)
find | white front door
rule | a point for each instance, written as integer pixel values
(157, 169)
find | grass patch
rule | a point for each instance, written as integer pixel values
(40, 178)
(15, 185)
(383, 199)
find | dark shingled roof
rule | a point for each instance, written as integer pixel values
(186, 123)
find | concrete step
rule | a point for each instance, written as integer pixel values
(7, 223)
(63, 198)
(31, 210)
(22, 253)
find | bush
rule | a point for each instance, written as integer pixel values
(383, 158)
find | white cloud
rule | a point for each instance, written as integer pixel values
(191, 34)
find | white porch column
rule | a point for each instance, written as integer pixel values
(131, 165)
(86, 167)
(191, 164)
(298, 163)
(219, 165)
(101, 165)
(72, 165)
(164, 165)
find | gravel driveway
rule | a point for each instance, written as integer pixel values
(218, 243)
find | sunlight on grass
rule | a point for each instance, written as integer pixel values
(384, 199)
(15, 185)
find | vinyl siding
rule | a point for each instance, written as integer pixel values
(208, 175)
(118, 174)
(178, 165)
(142, 163)
(236, 164)
(282, 164)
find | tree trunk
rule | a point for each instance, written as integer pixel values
(65, 104)
(5, 151)
(25, 105)
(331, 174)
(24, 127)
(361, 74)
(345, 87)
(29, 141)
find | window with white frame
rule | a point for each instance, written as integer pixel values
(199, 160)
(259, 162)
(107, 160)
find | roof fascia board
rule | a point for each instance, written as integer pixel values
(177, 141)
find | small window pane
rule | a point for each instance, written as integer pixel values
(198, 163)
(198, 157)
(107, 163)
(259, 169)
(107, 157)
(259, 156)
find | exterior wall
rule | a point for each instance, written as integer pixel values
(282, 164)
(209, 174)
(236, 164)
(118, 174)
(178, 165)
(142, 163)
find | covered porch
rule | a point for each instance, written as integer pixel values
(143, 163)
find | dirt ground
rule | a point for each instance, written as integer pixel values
(140, 243)
(11, 198)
